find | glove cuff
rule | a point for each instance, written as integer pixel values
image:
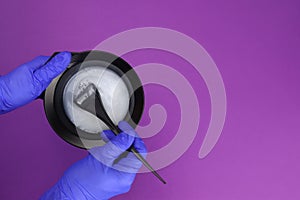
(63, 191)
(55, 193)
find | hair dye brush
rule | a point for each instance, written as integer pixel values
(90, 100)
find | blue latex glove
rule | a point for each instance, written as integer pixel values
(97, 176)
(29, 80)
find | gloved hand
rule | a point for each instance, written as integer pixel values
(102, 174)
(29, 80)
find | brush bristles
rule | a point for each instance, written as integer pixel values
(85, 94)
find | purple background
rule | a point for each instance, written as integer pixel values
(256, 45)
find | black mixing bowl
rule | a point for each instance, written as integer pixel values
(54, 95)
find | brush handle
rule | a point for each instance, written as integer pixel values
(117, 131)
(142, 159)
